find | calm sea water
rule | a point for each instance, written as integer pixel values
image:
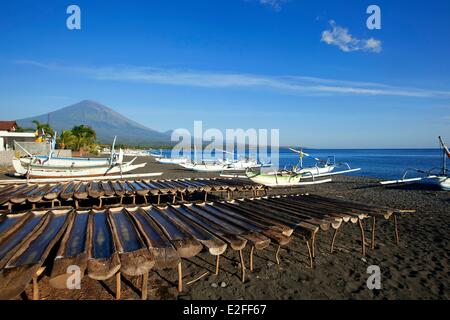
(375, 163)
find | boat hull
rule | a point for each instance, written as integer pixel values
(73, 172)
(444, 183)
(172, 160)
(276, 180)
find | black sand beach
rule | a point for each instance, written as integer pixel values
(417, 268)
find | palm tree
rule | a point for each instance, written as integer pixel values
(85, 136)
(66, 139)
(45, 127)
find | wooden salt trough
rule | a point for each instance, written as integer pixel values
(100, 190)
(135, 239)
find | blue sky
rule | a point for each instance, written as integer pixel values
(310, 68)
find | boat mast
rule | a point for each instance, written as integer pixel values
(445, 154)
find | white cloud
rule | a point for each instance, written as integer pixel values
(274, 4)
(340, 37)
(283, 84)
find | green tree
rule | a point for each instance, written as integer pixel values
(44, 126)
(85, 137)
(66, 140)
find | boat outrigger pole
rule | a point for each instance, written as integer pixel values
(445, 154)
(111, 159)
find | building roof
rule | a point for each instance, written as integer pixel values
(7, 125)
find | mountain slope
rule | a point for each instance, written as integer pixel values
(105, 121)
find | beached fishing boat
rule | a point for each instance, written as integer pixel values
(49, 166)
(300, 175)
(172, 160)
(437, 176)
(219, 166)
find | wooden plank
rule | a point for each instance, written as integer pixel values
(73, 251)
(25, 263)
(103, 259)
(186, 245)
(215, 245)
(135, 259)
(162, 250)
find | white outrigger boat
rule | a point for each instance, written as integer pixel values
(220, 165)
(438, 176)
(49, 166)
(172, 160)
(301, 176)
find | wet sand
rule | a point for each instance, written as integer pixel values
(417, 268)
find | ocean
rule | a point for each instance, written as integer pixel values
(375, 163)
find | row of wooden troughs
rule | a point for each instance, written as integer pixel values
(11, 195)
(133, 240)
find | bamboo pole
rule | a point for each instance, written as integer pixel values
(251, 258)
(373, 233)
(35, 288)
(144, 286)
(180, 277)
(242, 266)
(198, 278)
(363, 240)
(217, 264)
(397, 237)
(309, 253)
(313, 245)
(277, 254)
(333, 240)
(118, 285)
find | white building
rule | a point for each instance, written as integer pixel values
(8, 135)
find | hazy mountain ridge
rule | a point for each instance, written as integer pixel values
(104, 120)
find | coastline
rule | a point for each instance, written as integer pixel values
(417, 268)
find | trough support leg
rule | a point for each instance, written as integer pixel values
(159, 199)
(242, 266)
(144, 286)
(206, 196)
(363, 239)
(333, 240)
(277, 254)
(134, 199)
(217, 265)
(174, 198)
(180, 277)
(251, 258)
(309, 253)
(118, 285)
(33, 206)
(373, 234)
(397, 237)
(76, 204)
(181, 197)
(100, 202)
(35, 288)
(145, 199)
(35, 283)
(313, 244)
